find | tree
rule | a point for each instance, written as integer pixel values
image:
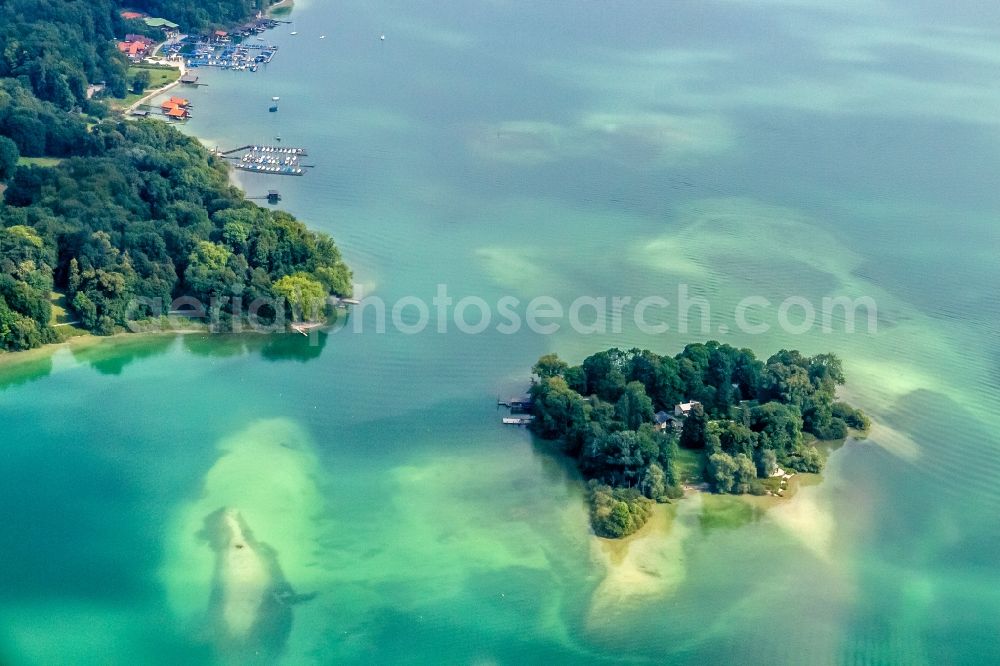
(604, 373)
(549, 365)
(722, 471)
(735, 438)
(8, 158)
(305, 296)
(744, 474)
(807, 459)
(336, 278)
(141, 81)
(85, 310)
(654, 482)
(668, 389)
(617, 512)
(576, 378)
(634, 407)
(560, 412)
(695, 429)
(854, 418)
(779, 427)
(767, 462)
(209, 272)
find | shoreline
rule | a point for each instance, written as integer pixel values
(159, 91)
(282, 7)
(12, 359)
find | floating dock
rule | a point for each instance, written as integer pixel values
(280, 150)
(522, 403)
(270, 168)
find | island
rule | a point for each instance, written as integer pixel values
(106, 220)
(637, 423)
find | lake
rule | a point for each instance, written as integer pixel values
(716, 150)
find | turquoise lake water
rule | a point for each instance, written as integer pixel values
(774, 149)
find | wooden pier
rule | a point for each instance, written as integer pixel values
(306, 326)
(272, 196)
(520, 410)
(523, 403)
(272, 169)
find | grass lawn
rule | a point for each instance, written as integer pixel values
(159, 76)
(39, 161)
(61, 318)
(689, 466)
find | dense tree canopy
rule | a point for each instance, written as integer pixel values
(57, 47)
(751, 418)
(196, 15)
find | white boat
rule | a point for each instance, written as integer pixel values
(294, 32)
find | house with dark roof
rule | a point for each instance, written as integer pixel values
(662, 420)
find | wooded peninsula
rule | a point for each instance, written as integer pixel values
(634, 422)
(99, 212)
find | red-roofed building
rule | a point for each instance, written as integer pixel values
(135, 50)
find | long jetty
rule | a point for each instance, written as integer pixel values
(280, 150)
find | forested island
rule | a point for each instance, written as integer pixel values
(631, 420)
(98, 212)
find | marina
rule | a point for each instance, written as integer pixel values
(275, 160)
(241, 49)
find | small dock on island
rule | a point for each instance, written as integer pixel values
(522, 403)
(520, 408)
